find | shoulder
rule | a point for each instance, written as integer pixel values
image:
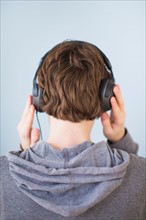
(133, 188)
(3, 161)
(138, 162)
(136, 171)
(4, 166)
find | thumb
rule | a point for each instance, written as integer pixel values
(35, 135)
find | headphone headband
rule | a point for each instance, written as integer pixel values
(106, 87)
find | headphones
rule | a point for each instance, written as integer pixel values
(105, 89)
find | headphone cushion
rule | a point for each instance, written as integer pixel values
(105, 93)
(37, 97)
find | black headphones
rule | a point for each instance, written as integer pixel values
(105, 90)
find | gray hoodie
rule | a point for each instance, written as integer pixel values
(71, 181)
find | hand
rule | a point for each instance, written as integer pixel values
(113, 125)
(27, 134)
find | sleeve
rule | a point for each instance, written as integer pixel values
(126, 143)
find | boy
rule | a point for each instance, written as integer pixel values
(68, 176)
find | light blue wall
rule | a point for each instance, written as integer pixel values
(30, 28)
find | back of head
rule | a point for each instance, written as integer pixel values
(70, 78)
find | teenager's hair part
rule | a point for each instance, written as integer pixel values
(70, 78)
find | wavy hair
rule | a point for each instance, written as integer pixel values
(70, 76)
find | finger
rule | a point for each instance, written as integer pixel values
(29, 118)
(25, 127)
(115, 109)
(35, 135)
(119, 97)
(27, 107)
(105, 119)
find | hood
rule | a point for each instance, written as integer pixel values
(70, 181)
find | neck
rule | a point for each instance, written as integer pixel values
(66, 134)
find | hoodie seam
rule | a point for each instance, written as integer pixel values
(66, 159)
(93, 156)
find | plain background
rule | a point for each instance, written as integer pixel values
(30, 28)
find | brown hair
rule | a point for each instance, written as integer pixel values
(70, 76)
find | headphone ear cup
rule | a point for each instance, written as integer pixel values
(105, 93)
(37, 97)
